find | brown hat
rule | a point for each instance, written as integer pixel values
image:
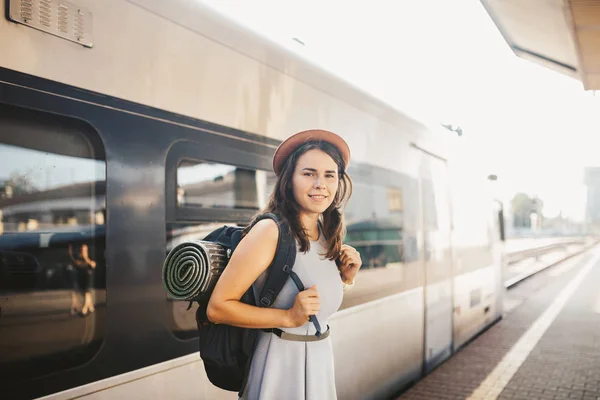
(293, 142)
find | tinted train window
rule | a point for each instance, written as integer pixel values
(381, 223)
(211, 186)
(52, 244)
(378, 223)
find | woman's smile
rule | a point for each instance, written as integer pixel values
(318, 197)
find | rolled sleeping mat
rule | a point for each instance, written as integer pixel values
(191, 269)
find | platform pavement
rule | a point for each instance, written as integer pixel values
(561, 362)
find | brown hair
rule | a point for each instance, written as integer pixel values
(283, 203)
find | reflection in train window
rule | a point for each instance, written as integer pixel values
(271, 179)
(209, 185)
(376, 226)
(52, 244)
(381, 223)
(394, 199)
(183, 320)
(212, 185)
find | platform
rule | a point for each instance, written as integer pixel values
(547, 346)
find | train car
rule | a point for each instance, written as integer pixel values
(128, 126)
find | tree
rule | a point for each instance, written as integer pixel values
(523, 207)
(16, 185)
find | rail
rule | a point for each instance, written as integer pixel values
(526, 262)
(520, 255)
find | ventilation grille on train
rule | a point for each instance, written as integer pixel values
(60, 18)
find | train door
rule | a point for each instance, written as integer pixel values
(437, 260)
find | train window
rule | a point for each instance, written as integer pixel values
(203, 185)
(376, 225)
(211, 185)
(52, 244)
(381, 225)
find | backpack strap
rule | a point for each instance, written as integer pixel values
(312, 318)
(281, 268)
(285, 256)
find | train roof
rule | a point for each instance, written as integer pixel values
(184, 57)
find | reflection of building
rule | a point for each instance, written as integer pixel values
(76, 204)
(382, 217)
(237, 189)
(382, 242)
(592, 209)
(6, 190)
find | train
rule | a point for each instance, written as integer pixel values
(129, 126)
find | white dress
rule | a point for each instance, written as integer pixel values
(283, 369)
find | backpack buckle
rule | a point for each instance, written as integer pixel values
(267, 299)
(287, 269)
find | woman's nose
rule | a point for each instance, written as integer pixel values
(318, 183)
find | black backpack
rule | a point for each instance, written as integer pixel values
(227, 350)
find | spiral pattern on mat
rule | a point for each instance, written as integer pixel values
(186, 270)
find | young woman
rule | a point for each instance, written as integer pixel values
(311, 189)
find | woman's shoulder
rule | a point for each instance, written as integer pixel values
(264, 230)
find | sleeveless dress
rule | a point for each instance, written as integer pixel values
(283, 369)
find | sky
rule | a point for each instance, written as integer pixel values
(445, 61)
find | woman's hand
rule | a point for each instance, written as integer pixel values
(85, 254)
(348, 263)
(307, 303)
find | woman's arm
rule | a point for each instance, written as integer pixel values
(86, 256)
(251, 258)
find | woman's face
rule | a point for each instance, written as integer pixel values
(315, 181)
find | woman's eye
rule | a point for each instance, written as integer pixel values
(331, 176)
